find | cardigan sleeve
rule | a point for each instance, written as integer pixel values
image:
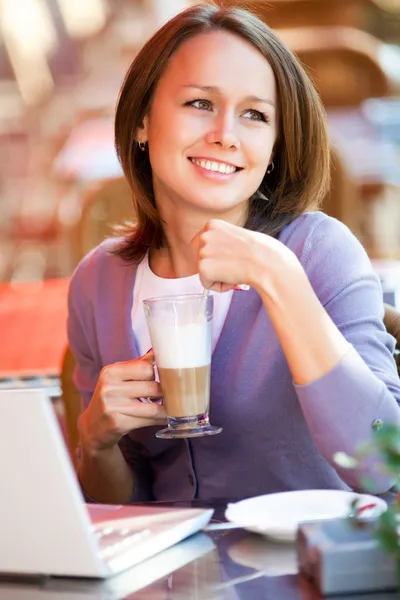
(82, 339)
(342, 407)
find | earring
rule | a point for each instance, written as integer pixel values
(142, 146)
(270, 168)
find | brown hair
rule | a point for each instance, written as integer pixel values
(300, 178)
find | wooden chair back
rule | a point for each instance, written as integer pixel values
(71, 402)
(344, 63)
(392, 324)
(343, 201)
(107, 205)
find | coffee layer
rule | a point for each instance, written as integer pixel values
(186, 391)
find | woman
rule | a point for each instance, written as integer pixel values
(223, 141)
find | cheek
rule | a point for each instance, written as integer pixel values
(259, 150)
(160, 135)
(162, 141)
(165, 148)
(175, 129)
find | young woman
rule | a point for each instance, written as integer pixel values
(222, 138)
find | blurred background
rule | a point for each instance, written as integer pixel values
(62, 63)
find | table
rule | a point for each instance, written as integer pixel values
(226, 564)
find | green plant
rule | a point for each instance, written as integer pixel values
(384, 451)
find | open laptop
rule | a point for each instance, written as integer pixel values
(46, 528)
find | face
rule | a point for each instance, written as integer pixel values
(212, 126)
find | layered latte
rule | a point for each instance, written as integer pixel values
(183, 357)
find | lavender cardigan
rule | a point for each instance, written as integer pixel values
(276, 435)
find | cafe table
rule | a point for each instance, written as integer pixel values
(222, 564)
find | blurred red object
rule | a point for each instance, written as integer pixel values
(33, 326)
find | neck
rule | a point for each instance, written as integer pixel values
(179, 257)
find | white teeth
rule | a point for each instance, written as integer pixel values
(214, 166)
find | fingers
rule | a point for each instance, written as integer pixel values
(125, 423)
(205, 235)
(221, 287)
(119, 423)
(149, 356)
(210, 243)
(131, 389)
(210, 271)
(132, 370)
(195, 242)
(115, 410)
(140, 410)
(216, 244)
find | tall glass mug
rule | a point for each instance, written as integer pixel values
(180, 333)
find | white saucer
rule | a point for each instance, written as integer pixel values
(278, 515)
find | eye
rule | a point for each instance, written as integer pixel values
(256, 115)
(200, 104)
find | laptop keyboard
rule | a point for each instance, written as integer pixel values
(113, 540)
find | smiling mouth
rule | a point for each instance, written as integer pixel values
(215, 166)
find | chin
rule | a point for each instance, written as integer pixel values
(217, 205)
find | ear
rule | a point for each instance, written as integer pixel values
(141, 133)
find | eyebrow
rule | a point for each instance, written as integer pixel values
(214, 89)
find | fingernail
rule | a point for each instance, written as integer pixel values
(243, 287)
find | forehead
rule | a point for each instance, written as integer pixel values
(220, 59)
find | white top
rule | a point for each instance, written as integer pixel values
(149, 285)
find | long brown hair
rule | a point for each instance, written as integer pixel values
(300, 178)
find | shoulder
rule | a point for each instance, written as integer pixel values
(332, 257)
(314, 236)
(102, 258)
(312, 226)
(100, 268)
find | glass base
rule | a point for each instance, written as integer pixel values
(188, 427)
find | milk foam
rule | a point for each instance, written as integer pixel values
(181, 348)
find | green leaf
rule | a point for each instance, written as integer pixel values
(386, 445)
(387, 531)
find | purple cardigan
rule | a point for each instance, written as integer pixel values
(276, 435)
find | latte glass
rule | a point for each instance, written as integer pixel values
(180, 333)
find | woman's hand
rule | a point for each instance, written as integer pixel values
(231, 257)
(115, 408)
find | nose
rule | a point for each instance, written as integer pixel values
(223, 132)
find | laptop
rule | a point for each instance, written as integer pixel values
(48, 527)
(176, 571)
